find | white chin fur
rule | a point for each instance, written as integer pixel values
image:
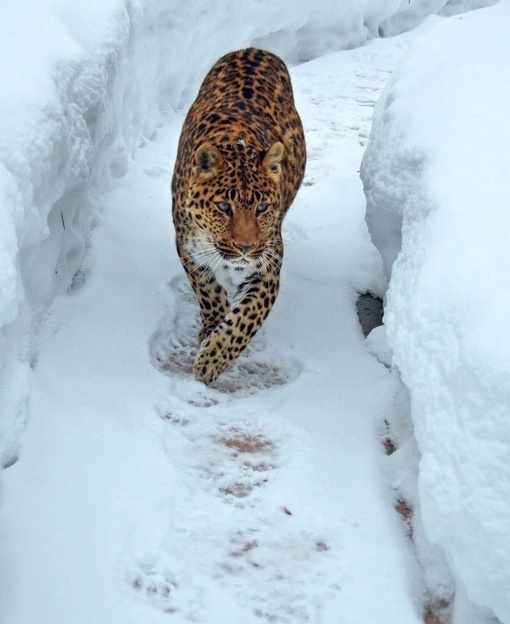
(229, 274)
(232, 274)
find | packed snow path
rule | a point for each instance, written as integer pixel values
(140, 495)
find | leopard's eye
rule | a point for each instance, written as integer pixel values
(224, 207)
(262, 208)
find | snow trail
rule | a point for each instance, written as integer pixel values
(142, 495)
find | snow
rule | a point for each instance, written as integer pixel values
(148, 470)
(91, 79)
(435, 176)
(132, 491)
(67, 125)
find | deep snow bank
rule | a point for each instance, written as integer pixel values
(82, 86)
(438, 197)
(76, 100)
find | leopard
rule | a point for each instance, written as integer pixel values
(240, 161)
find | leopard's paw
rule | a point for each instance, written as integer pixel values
(217, 352)
(205, 332)
(209, 363)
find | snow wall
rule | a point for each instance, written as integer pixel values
(84, 84)
(438, 197)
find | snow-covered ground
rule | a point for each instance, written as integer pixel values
(140, 494)
(131, 492)
(438, 198)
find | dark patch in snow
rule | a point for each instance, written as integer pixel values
(9, 462)
(370, 312)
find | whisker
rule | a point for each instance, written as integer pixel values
(203, 263)
(273, 257)
(271, 260)
(273, 252)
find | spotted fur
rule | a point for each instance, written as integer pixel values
(240, 162)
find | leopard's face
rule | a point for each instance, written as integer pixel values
(235, 205)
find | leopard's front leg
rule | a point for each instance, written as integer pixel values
(211, 296)
(227, 341)
(214, 307)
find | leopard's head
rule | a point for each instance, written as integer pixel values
(234, 199)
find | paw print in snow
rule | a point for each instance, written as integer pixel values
(154, 588)
(254, 455)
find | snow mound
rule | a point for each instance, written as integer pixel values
(71, 114)
(436, 181)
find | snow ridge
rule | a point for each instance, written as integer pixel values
(436, 182)
(58, 158)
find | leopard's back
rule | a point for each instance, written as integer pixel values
(247, 89)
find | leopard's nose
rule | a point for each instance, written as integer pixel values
(245, 247)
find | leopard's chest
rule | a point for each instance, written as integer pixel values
(231, 276)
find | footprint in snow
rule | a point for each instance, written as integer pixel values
(234, 463)
(293, 232)
(174, 346)
(252, 458)
(229, 533)
(154, 587)
(281, 574)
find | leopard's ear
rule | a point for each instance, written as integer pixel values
(273, 159)
(208, 161)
